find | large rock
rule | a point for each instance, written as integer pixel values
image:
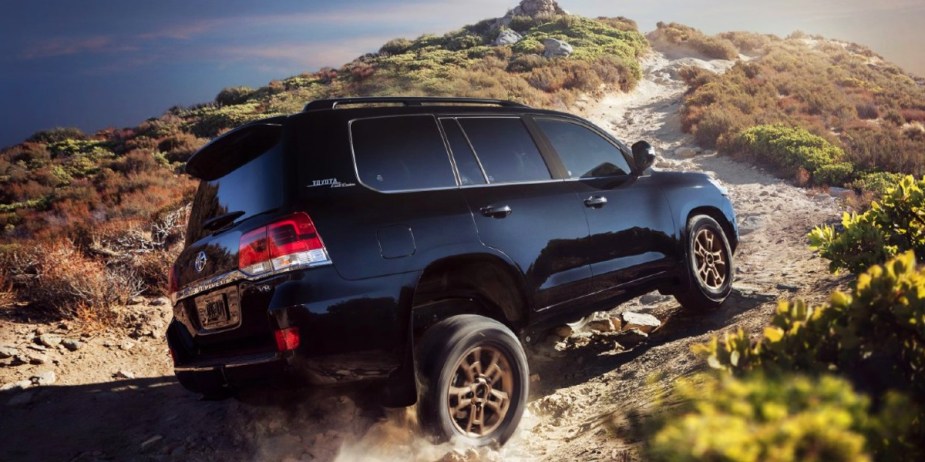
(507, 37)
(36, 358)
(49, 340)
(8, 351)
(16, 386)
(535, 9)
(72, 344)
(44, 378)
(556, 48)
(645, 323)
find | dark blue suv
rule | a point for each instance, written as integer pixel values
(418, 241)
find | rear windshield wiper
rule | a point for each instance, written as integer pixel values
(221, 220)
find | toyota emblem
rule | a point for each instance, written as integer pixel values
(200, 261)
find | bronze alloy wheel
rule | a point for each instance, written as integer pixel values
(710, 259)
(479, 395)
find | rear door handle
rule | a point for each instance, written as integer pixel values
(493, 211)
(596, 202)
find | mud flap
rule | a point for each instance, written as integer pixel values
(400, 389)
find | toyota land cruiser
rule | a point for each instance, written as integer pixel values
(419, 241)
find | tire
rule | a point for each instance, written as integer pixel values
(709, 265)
(496, 388)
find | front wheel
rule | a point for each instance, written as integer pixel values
(709, 265)
(472, 381)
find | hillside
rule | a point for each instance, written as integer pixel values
(586, 386)
(90, 222)
(861, 115)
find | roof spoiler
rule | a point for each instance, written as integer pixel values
(233, 149)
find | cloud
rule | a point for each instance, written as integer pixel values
(68, 46)
(430, 15)
(303, 55)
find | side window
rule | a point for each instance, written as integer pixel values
(470, 172)
(506, 150)
(401, 153)
(584, 153)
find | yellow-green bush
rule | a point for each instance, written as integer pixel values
(762, 418)
(894, 224)
(875, 334)
(789, 149)
(781, 400)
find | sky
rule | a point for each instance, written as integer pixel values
(114, 63)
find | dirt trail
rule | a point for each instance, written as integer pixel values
(585, 389)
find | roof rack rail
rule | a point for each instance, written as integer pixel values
(405, 101)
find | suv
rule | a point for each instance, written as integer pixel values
(420, 241)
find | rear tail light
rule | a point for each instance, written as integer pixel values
(287, 339)
(292, 242)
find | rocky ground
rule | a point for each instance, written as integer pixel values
(83, 395)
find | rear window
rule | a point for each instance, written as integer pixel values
(401, 153)
(252, 188)
(506, 150)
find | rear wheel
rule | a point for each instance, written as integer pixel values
(472, 380)
(709, 265)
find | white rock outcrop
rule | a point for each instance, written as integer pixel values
(556, 48)
(507, 37)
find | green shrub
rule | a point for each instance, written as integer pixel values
(834, 174)
(791, 149)
(876, 182)
(892, 225)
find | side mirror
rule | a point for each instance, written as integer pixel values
(643, 156)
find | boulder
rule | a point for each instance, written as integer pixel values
(49, 340)
(7, 351)
(16, 386)
(72, 344)
(44, 378)
(556, 48)
(124, 374)
(645, 323)
(535, 9)
(507, 37)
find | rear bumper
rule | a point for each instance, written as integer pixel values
(206, 377)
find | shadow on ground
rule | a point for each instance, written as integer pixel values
(156, 419)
